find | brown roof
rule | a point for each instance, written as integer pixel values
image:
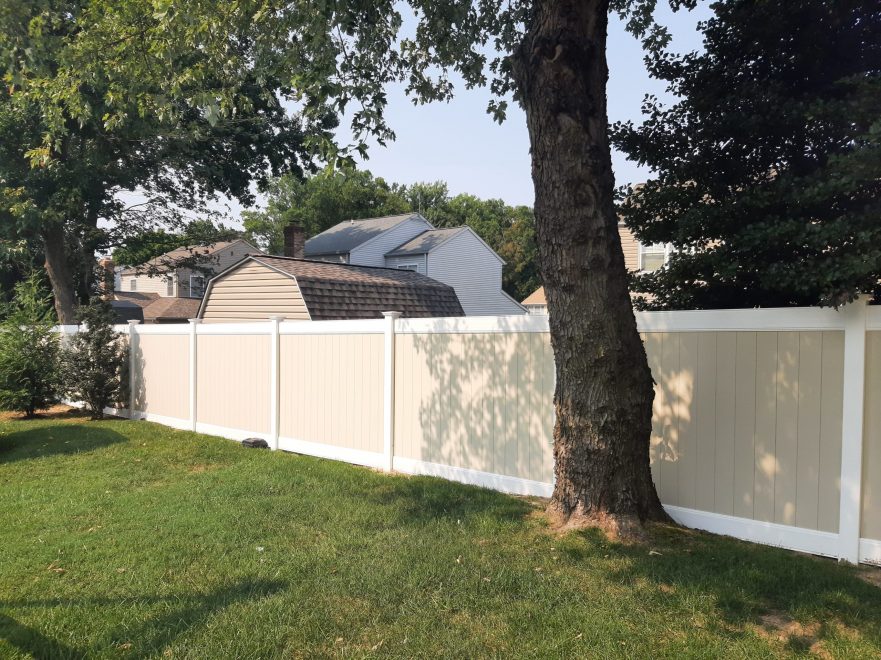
(170, 259)
(537, 297)
(172, 309)
(139, 298)
(161, 310)
(340, 291)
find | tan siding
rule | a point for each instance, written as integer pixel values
(871, 515)
(476, 401)
(233, 381)
(253, 292)
(331, 390)
(219, 262)
(749, 424)
(630, 246)
(162, 375)
(157, 284)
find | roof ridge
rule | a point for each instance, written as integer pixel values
(331, 263)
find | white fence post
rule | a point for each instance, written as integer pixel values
(132, 360)
(194, 331)
(274, 389)
(389, 390)
(855, 316)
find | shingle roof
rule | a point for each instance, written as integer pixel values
(126, 311)
(156, 309)
(537, 297)
(172, 309)
(425, 242)
(346, 236)
(170, 258)
(340, 291)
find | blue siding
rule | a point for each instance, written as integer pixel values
(475, 272)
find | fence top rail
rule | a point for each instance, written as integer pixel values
(355, 327)
(770, 320)
(473, 324)
(721, 320)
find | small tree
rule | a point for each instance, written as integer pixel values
(28, 350)
(95, 360)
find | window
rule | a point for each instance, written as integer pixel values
(169, 286)
(652, 257)
(197, 286)
(133, 284)
(408, 267)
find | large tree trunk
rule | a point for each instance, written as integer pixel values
(60, 274)
(604, 393)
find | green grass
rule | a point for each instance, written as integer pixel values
(128, 539)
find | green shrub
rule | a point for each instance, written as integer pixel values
(29, 353)
(95, 360)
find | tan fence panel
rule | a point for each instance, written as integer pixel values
(331, 390)
(162, 375)
(233, 381)
(871, 513)
(749, 423)
(480, 401)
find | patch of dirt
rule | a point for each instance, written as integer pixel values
(199, 468)
(871, 575)
(59, 411)
(626, 529)
(783, 629)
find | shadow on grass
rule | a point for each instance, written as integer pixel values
(425, 499)
(33, 642)
(748, 582)
(55, 440)
(149, 636)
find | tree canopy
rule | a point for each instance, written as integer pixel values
(85, 115)
(768, 181)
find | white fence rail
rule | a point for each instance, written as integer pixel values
(766, 426)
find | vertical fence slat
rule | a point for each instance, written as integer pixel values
(855, 316)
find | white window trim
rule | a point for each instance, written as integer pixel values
(133, 284)
(668, 250)
(204, 286)
(413, 267)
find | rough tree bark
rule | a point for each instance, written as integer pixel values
(604, 391)
(60, 274)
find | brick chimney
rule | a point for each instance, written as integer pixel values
(294, 241)
(107, 275)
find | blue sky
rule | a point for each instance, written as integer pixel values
(459, 143)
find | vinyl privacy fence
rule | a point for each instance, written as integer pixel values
(767, 423)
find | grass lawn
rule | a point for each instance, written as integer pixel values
(128, 539)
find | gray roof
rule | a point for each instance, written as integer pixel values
(346, 236)
(425, 242)
(340, 291)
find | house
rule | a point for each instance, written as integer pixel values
(299, 289)
(638, 257)
(169, 288)
(456, 256)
